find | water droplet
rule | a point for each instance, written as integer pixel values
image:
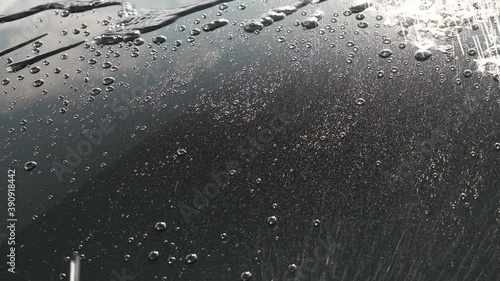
(360, 101)
(181, 151)
(108, 81)
(422, 54)
(5, 81)
(191, 258)
(171, 260)
(34, 70)
(153, 255)
(95, 91)
(363, 24)
(385, 53)
(272, 220)
(158, 40)
(30, 165)
(38, 82)
(292, 267)
(360, 16)
(497, 146)
(245, 276)
(138, 41)
(160, 226)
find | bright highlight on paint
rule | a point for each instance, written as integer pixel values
(445, 24)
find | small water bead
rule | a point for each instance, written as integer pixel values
(191, 258)
(106, 64)
(171, 260)
(30, 165)
(245, 276)
(39, 82)
(380, 73)
(242, 6)
(62, 276)
(64, 13)
(347, 13)
(360, 101)
(223, 236)
(360, 16)
(8, 60)
(5, 81)
(95, 91)
(272, 220)
(402, 45)
(316, 222)
(467, 73)
(160, 226)
(472, 52)
(292, 267)
(497, 146)
(138, 41)
(363, 24)
(223, 6)
(379, 17)
(153, 255)
(37, 44)
(422, 54)
(281, 39)
(64, 56)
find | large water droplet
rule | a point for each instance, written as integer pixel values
(385, 53)
(30, 165)
(38, 83)
(422, 54)
(159, 39)
(108, 81)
